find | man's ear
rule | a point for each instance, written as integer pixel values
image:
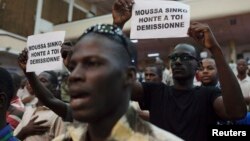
(3, 100)
(131, 75)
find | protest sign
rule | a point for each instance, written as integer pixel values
(159, 19)
(44, 51)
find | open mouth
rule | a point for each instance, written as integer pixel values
(79, 98)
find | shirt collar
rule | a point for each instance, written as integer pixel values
(246, 79)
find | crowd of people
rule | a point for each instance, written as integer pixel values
(102, 83)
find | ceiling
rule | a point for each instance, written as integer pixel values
(102, 6)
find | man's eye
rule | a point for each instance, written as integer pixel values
(93, 64)
(210, 68)
(174, 58)
(71, 66)
(43, 80)
(185, 57)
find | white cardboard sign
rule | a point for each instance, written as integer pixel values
(44, 51)
(159, 19)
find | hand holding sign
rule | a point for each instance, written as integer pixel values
(44, 51)
(202, 34)
(122, 11)
(159, 19)
(22, 59)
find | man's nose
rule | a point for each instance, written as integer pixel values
(147, 77)
(178, 60)
(77, 74)
(204, 71)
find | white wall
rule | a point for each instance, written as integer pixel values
(15, 42)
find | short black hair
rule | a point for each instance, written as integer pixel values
(53, 78)
(6, 84)
(197, 51)
(66, 49)
(114, 33)
(158, 69)
(55, 84)
(16, 80)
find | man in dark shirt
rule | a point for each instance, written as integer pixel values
(184, 109)
(187, 110)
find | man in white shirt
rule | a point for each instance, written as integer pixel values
(243, 79)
